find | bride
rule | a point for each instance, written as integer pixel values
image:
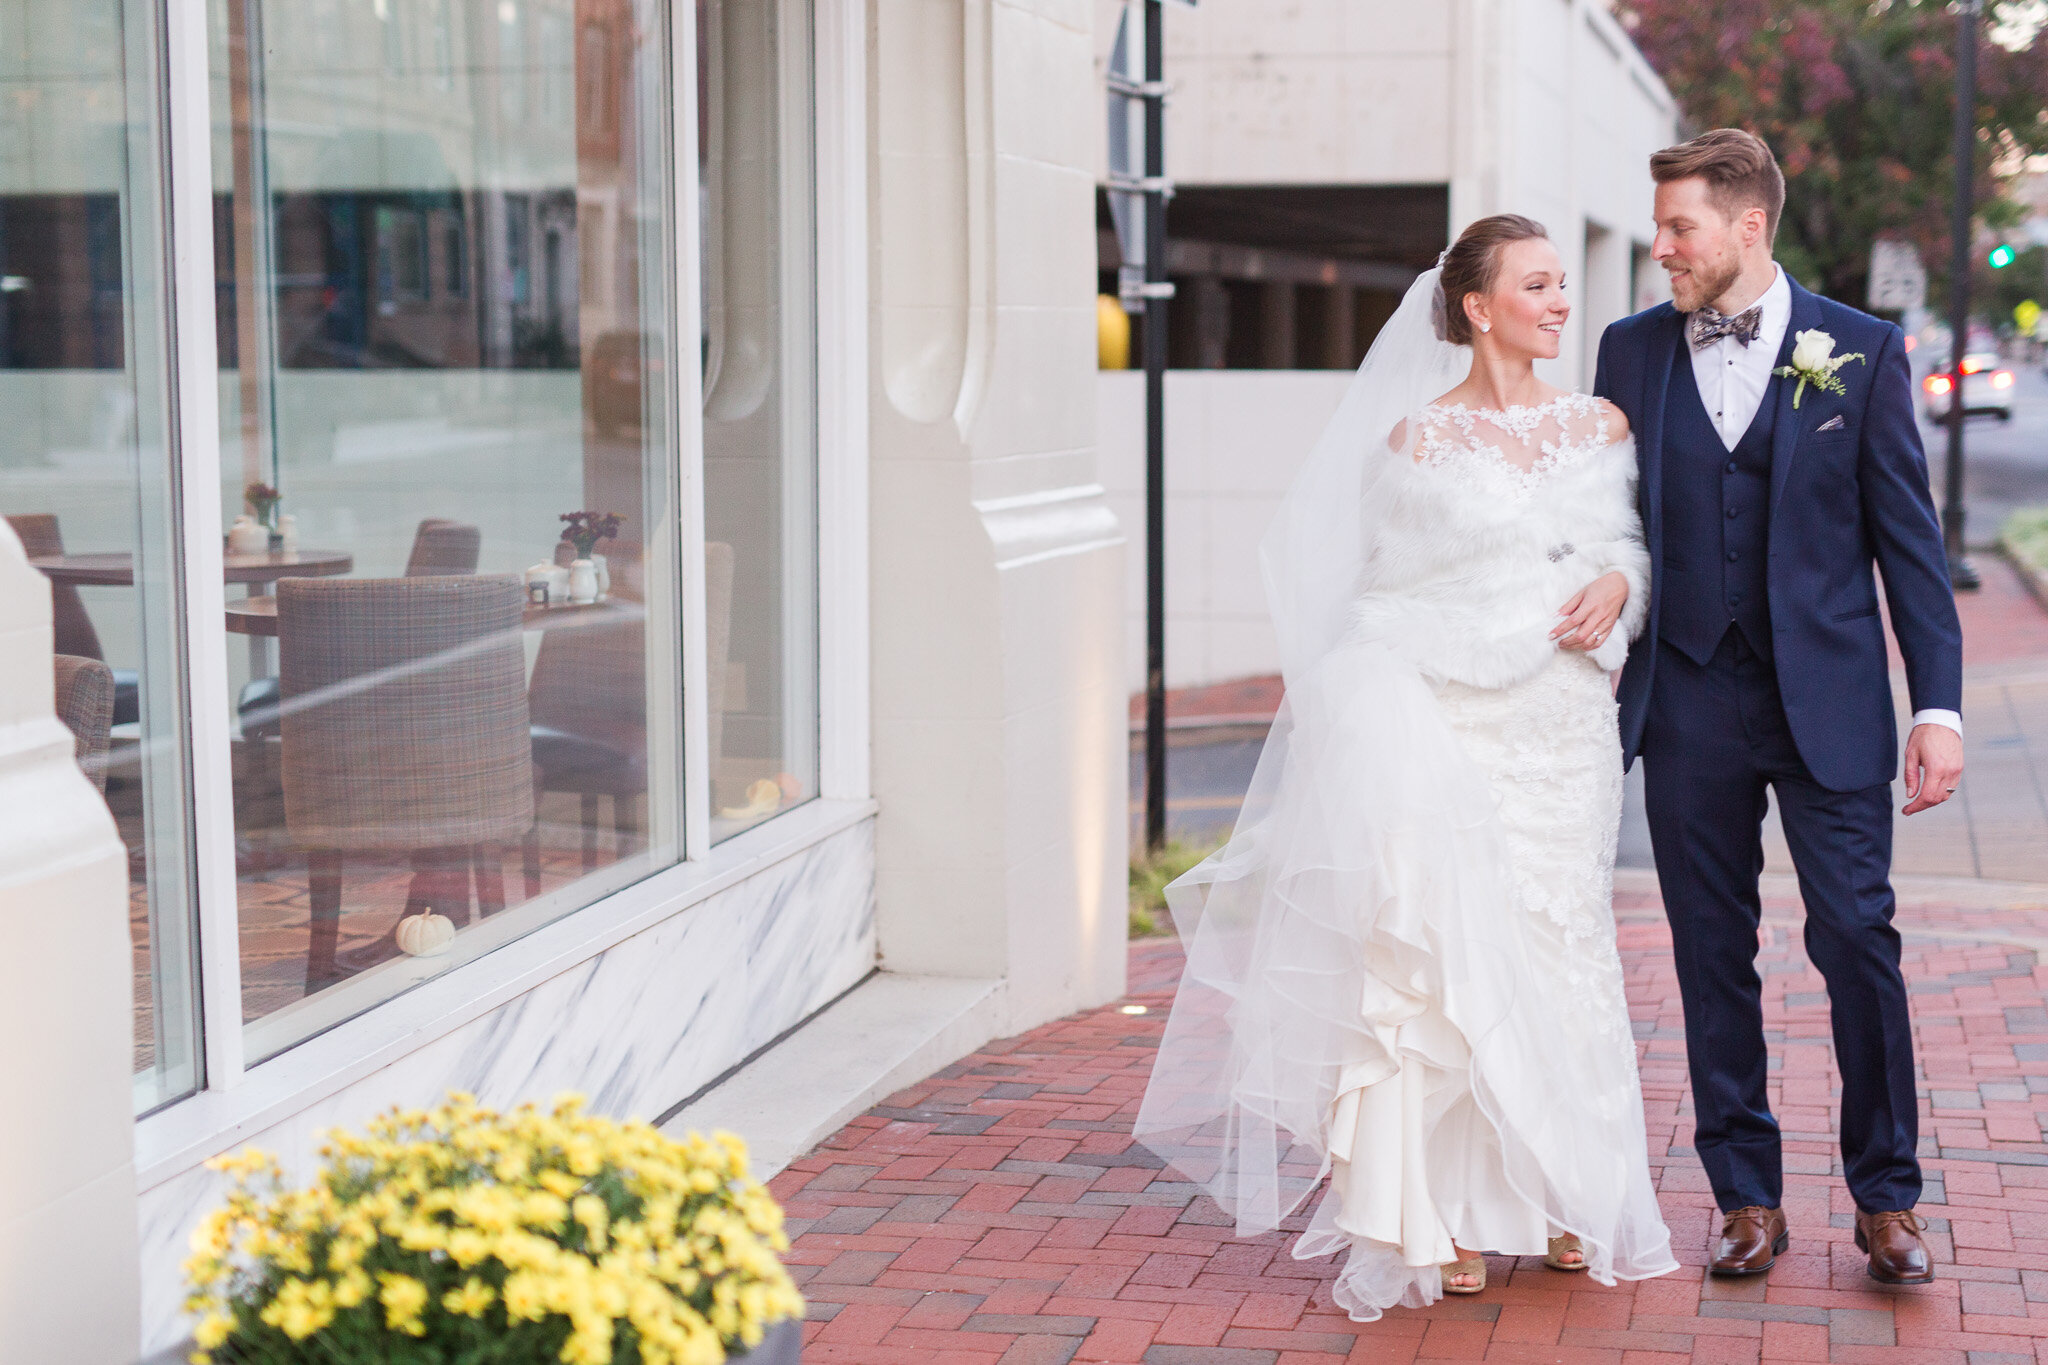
(1401, 970)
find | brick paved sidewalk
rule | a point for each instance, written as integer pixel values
(997, 1213)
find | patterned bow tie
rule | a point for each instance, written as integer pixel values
(1709, 325)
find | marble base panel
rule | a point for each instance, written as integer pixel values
(636, 1029)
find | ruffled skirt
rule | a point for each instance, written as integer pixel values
(1402, 974)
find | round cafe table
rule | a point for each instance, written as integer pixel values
(118, 570)
(257, 616)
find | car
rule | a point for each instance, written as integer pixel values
(1987, 389)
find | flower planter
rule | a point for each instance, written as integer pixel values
(438, 1225)
(782, 1344)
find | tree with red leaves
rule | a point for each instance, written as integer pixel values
(1856, 98)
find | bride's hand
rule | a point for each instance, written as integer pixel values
(1585, 621)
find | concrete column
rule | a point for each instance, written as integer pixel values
(997, 570)
(69, 1280)
(1211, 302)
(1340, 328)
(1276, 325)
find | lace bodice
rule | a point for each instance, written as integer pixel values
(1516, 446)
(1498, 518)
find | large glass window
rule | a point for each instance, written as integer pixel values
(85, 468)
(445, 264)
(755, 139)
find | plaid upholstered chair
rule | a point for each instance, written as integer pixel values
(589, 702)
(439, 547)
(85, 703)
(405, 729)
(41, 538)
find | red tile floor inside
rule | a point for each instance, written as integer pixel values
(273, 905)
(998, 1211)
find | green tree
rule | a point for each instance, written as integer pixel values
(1856, 98)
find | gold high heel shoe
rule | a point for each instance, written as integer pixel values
(1558, 1247)
(1475, 1266)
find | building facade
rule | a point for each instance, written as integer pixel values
(321, 355)
(1323, 152)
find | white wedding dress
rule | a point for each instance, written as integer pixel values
(1402, 971)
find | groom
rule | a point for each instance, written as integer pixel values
(1763, 668)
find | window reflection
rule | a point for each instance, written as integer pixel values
(451, 324)
(85, 472)
(760, 430)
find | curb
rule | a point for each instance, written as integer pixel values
(2035, 579)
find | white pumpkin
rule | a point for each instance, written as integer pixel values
(425, 935)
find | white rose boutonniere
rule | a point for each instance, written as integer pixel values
(1814, 362)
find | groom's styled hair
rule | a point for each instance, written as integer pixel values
(1739, 170)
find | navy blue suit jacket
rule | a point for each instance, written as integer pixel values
(1842, 502)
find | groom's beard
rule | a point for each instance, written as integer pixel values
(1703, 284)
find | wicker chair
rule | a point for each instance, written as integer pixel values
(73, 632)
(405, 729)
(439, 547)
(85, 703)
(589, 703)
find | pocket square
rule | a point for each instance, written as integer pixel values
(1834, 423)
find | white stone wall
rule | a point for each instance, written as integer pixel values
(997, 564)
(1234, 439)
(1540, 107)
(67, 1206)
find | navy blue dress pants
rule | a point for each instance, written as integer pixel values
(1715, 740)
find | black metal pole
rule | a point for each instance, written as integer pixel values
(1155, 430)
(1960, 574)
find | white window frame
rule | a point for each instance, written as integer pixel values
(238, 1098)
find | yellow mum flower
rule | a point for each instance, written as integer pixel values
(213, 1330)
(403, 1297)
(525, 1296)
(470, 1301)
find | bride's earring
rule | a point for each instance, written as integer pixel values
(1486, 327)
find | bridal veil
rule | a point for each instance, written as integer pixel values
(1351, 952)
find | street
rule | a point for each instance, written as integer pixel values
(2005, 464)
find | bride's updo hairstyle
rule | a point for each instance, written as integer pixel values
(1471, 266)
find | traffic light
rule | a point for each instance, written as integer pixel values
(2001, 256)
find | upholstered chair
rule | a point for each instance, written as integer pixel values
(439, 547)
(41, 538)
(85, 703)
(405, 729)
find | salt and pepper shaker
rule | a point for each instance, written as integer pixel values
(540, 584)
(247, 536)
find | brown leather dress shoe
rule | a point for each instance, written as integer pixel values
(1897, 1255)
(1751, 1239)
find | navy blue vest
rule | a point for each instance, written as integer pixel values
(1716, 523)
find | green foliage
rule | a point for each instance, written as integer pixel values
(2026, 537)
(1150, 872)
(1856, 98)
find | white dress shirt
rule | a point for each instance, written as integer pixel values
(1733, 379)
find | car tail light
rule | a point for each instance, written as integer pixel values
(1911, 342)
(1939, 384)
(1971, 365)
(2002, 380)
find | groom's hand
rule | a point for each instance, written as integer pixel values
(1934, 766)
